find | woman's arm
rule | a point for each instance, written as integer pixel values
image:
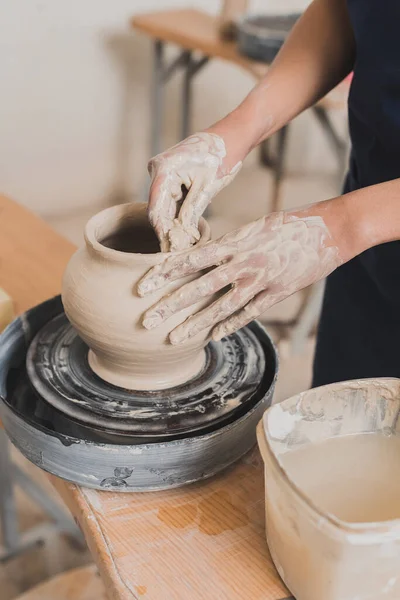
(369, 217)
(318, 54)
(264, 262)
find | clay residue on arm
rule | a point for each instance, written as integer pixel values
(259, 264)
(317, 55)
(197, 165)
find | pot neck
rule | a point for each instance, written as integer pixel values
(121, 218)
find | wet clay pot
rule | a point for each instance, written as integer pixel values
(100, 300)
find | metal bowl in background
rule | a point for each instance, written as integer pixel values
(261, 36)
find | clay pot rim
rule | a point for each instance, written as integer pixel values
(101, 225)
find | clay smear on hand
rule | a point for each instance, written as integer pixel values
(262, 263)
(197, 163)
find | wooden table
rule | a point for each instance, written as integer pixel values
(199, 542)
(32, 260)
(79, 584)
(194, 30)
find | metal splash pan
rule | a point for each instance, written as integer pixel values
(94, 455)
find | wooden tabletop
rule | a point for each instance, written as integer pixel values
(197, 30)
(199, 542)
(83, 583)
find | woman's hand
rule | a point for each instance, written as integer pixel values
(197, 167)
(260, 264)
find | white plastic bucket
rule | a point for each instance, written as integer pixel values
(317, 555)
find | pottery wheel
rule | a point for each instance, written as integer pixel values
(68, 422)
(57, 365)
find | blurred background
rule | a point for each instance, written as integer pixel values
(76, 118)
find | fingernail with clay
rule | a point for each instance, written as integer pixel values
(218, 334)
(176, 338)
(152, 320)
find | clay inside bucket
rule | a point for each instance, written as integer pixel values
(355, 478)
(333, 538)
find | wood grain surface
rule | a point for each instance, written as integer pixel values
(200, 542)
(196, 30)
(193, 29)
(79, 584)
(32, 256)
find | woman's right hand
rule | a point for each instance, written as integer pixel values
(185, 178)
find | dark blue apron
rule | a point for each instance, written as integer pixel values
(359, 330)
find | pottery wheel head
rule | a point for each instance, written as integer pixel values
(58, 369)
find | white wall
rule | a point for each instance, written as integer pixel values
(74, 110)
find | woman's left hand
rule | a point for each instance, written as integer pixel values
(261, 264)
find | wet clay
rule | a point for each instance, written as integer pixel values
(197, 165)
(101, 301)
(356, 478)
(256, 266)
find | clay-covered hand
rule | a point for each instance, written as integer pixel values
(259, 265)
(195, 166)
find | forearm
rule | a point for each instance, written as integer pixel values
(361, 219)
(318, 54)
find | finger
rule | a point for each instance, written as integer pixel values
(192, 209)
(179, 238)
(196, 203)
(161, 212)
(164, 194)
(180, 265)
(206, 318)
(184, 233)
(262, 302)
(189, 294)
